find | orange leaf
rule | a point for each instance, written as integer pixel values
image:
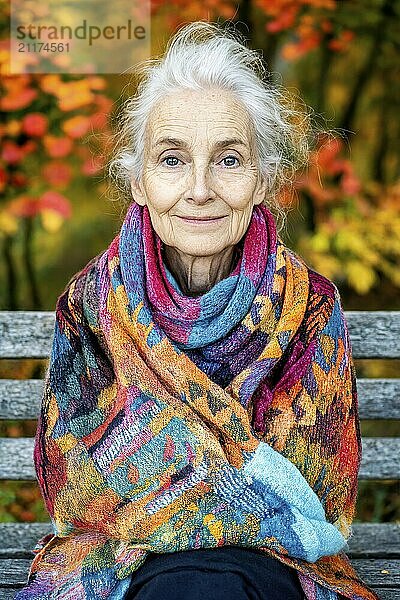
(290, 52)
(24, 206)
(50, 84)
(76, 127)
(13, 128)
(97, 83)
(18, 96)
(74, 94)
(285, 20)
(57, 147)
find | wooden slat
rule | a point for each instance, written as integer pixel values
(18, 539)
(26, 334)
(20, 399)
(14, 571)
(380, 458)
(369, 540)
(373, 334)
(378, 398)
(384, 593)
(16, 458)
(376, 573)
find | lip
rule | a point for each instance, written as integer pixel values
(201, 220)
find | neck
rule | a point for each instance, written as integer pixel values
(198, 274)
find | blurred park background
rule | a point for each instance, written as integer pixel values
(57, 210)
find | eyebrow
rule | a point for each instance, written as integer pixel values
(218, 145)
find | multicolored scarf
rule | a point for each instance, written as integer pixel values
(171, 423)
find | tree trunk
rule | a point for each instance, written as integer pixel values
(378, 165)
(322, 79)
(11, 278)
(364, 75)
(27, 256)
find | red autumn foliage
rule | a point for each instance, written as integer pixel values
(57, 146)
(330, 176)
(34, 124)
(57, 173)
(78, 106)
(55, 201)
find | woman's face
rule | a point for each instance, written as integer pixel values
(200, 180)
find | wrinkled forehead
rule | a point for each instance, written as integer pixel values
(209, 117)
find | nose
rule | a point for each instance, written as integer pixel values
(200, 189)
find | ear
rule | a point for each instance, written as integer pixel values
(138, 193)
(261, 191)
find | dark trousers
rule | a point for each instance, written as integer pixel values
(224, 573)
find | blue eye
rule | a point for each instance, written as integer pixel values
(173, 161)
(230, 158)
(169, 158)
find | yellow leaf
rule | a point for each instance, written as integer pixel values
(51, 220)
(326, 264)
(360, 276)
(320, 242)
(8, 223)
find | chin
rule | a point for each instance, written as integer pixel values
(203, 249)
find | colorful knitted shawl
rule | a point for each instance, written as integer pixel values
(172, 423)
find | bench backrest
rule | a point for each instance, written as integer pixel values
(28, 334)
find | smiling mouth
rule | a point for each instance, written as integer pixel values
(201, 220)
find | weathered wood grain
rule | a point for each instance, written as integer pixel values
(16, 458)
(20, 399)
(378, 398)
(14, 571)
(380, 458)
(378, 572)
(369, 540)
(373, 334)
(26, 334)
(18, 539)
(374, 540)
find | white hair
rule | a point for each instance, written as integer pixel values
(202, 56)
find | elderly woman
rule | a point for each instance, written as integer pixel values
(198, 434)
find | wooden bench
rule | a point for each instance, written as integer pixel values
(374, 547)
